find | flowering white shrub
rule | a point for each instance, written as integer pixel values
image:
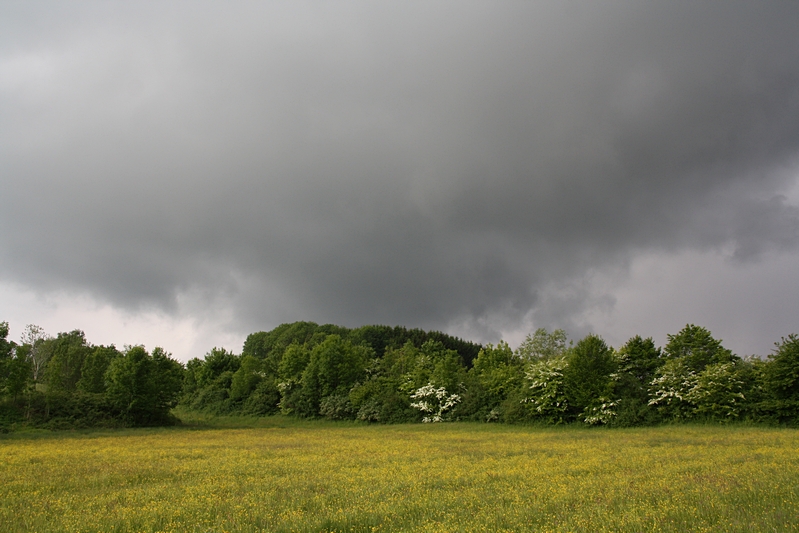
(547, 394)
(434, 402)
(600, 414)
(718, 392)
(715, 392)
(286, 388)
(336, 407)
(670, 391)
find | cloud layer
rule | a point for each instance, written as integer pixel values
(451, 165)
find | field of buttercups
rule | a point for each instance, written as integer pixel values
(433, 477)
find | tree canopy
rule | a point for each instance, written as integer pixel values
(392, 374)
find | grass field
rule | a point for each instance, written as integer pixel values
(283, 475)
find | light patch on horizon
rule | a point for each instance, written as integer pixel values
(59, 312)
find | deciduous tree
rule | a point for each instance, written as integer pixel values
(697, 348)
(587, 376)
(543, 345)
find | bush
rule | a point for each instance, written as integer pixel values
(336, 407)
(264, 399)
(718, 393)
(782, 380)
(546, 396)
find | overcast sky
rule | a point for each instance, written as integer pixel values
(185, 173)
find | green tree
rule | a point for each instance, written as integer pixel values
(143, 387)
(33, 337)
(95, 365)
(638, 361)
(587, 375)
(295, 358)
(718, 393)
(216, 362)
(697, 348)
(270, 346)
(167, 378)
(69, 350)
(6, 346)
(499, 372)
(543, 345)
(246, 378)
(385, 395)
(449, 372)
(191, 386)
(264, 399)
(335, 366)
(433, 363)
(670, 391)
(130, 390)
(18, 376)
(781, 375)
(546, 398)
(15, 369)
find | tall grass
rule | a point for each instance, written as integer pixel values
(284, 475)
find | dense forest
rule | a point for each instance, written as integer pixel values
(384, 374)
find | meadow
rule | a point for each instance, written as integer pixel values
(279, 474)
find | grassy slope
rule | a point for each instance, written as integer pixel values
(278, 474)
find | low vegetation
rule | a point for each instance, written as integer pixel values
(284, 474)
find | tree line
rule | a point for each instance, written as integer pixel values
(387, 374)
(66, 382)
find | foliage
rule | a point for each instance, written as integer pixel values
(336, 406)
(264, 400)
(379, 399)
(547, 395)
(246, 378)
(496, 375)
(499, 371)
(12, 369)
(637, 363)
(671, 388)
(587, 379)
(14, 365)
(293, 362)
(217, 362)
(383, 338)
(782, 379)
(335, 366)
(718, 393)
(365, 374)
(434, 403)
(32, 338)
(270, 346)
(697, 348)
(543, 345)
(67, 354)
(94, 368)
(144, 387)
(6, 346)
(311, 370)
(603, 411)
(393, 374)
(85, 385)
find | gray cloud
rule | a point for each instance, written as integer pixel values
(420, 164)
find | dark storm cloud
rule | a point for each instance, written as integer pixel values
(420, 164)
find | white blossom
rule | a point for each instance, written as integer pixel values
(434, 401)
